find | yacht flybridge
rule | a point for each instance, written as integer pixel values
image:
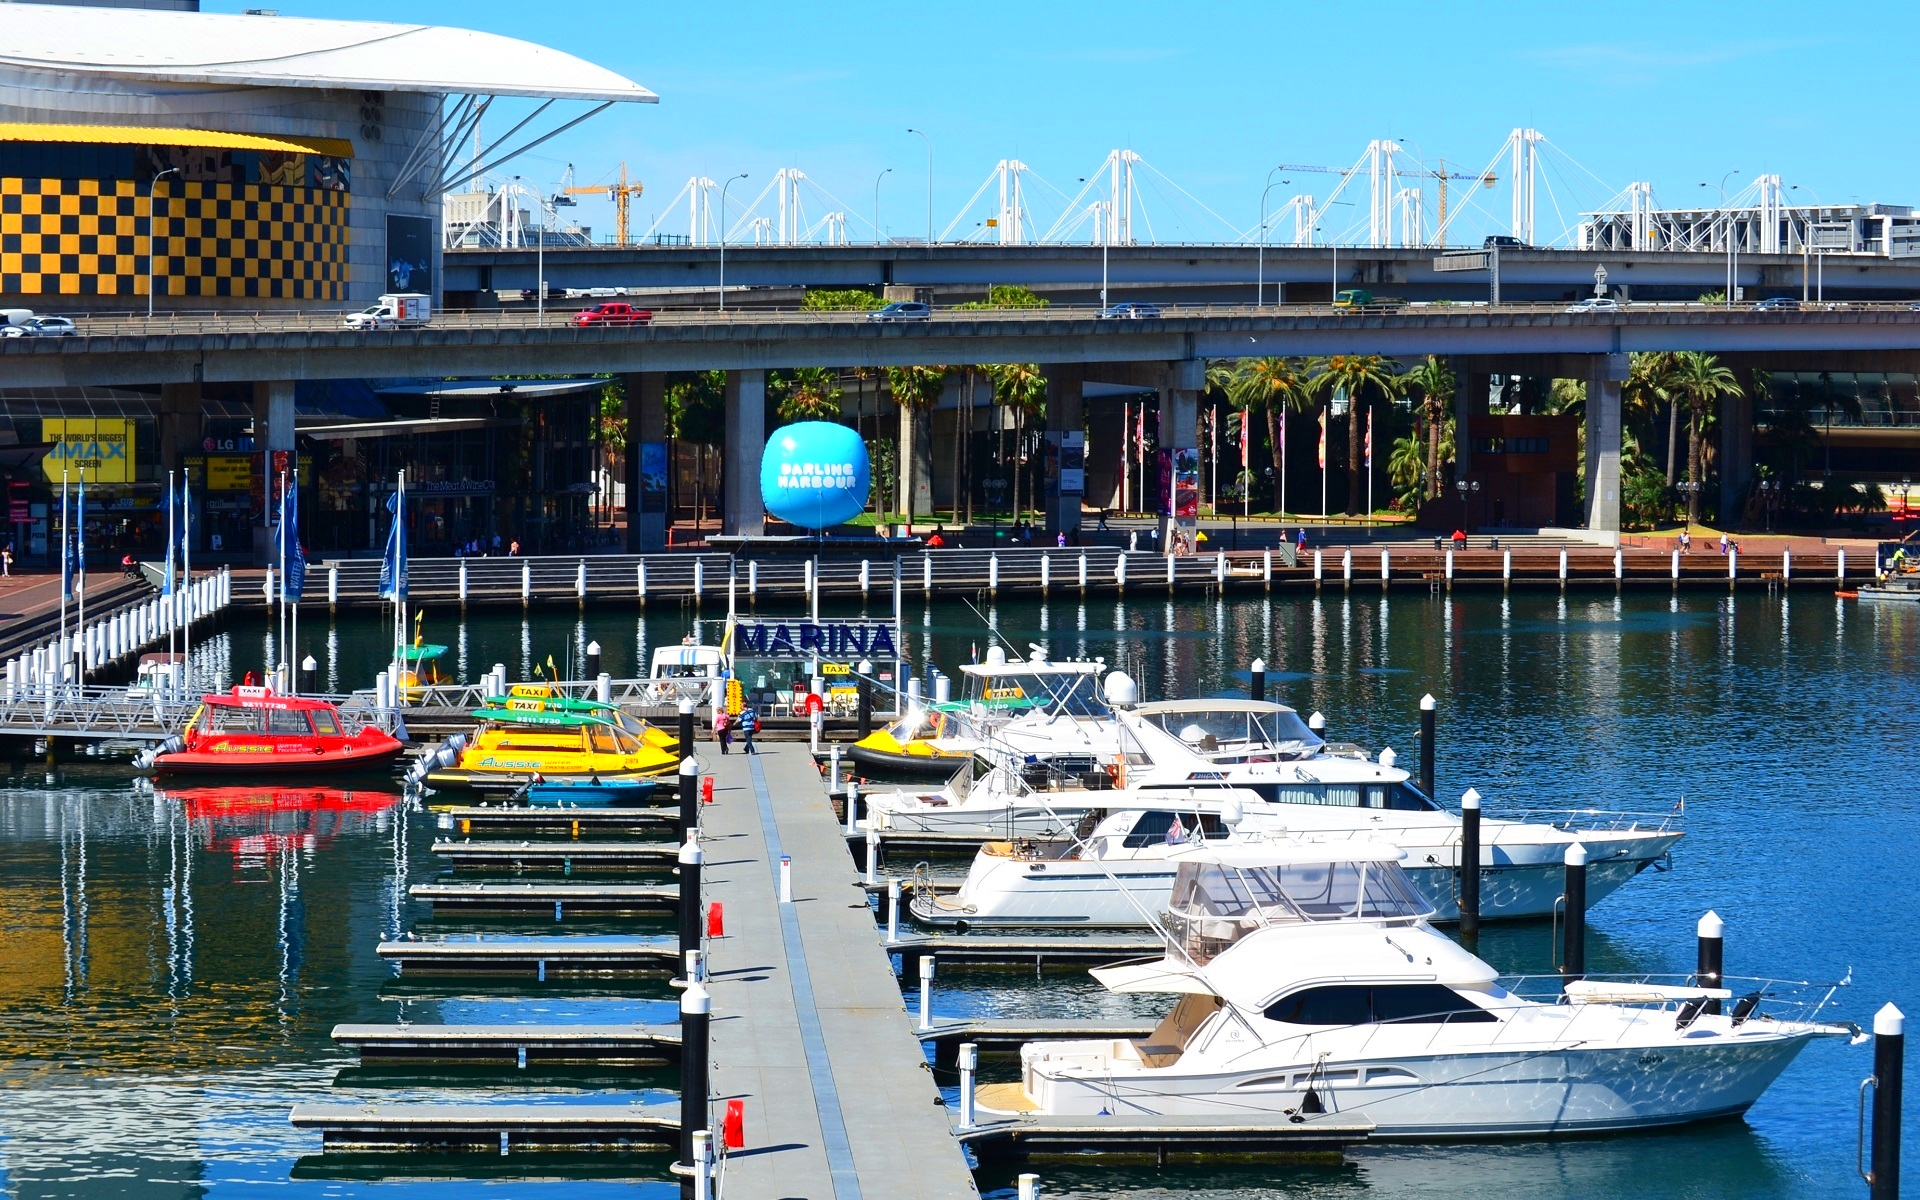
(1309, 981)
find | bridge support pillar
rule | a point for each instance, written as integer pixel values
(273, 452)
(1179, 497)
(179, 424)
(1469, 400)
(646, 469)
(746, 515)
(1066, 448)
(1736, 458)
(1603, 442)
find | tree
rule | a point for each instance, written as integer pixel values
(1702, 380)
(1021, 387)
(915, 390)
(1356, 374)
(849, 300)
(1269, 385)
(1434, 380)
(1007, 295)
(1648, 388)
(808, 394)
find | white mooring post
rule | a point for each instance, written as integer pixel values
(893, 909)
(1506, 567)
(526, 583)
(1046, 573)
(1840, 565)
(1220, 568)
(1563, 566)
(1676, 566)
(1786, 566)
(753, 581)
(333, 593)
(926, 574)
(993, 574)
(1346, 566)
(1619, 566)
(580, 581)
(786, 879)
(926, 993)
(866, 577)
(700, 578)
(969, 1062)
(873, 851)
(640, 582)
(1083, 572)
(1028, 1185)
(463, 583)
(1449, 565)
(1266, 569)
(1385, 567)
(1319, 569)
(1733, 564)
(1120, 573)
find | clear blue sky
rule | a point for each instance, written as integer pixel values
(1213, 95)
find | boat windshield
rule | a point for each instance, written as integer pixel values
(1229, 735)
(918, 723)
(1214, 905)
(1013, 692)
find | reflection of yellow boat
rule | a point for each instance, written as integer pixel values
(922, 743)
(513, 746)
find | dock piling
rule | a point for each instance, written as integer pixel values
(1889, 1066)
(1426, 743)
(593, 663)
(696, 1010)
(1840, 565)
(1711, 959)
(865, 688)
(686, 726)
(1257, 680)
(1120, 574)
(1563, 566)
(993, 574)
(1172, 563)
(1573, 947)
(1470, 863)
(463, 585)
(702, 1164)
(691, 859)
(926, 574)
(893, 909)
(926, 993)
(753, 582)
(969, 1062)
(700, 579)
(873, 852)
(853, 807)
(1318, 724)
(689, 796)
(1046, 573)
(866, 578)
(640, 583)
(333, 593)
(833, 768)
(526, 583)
(1506, 568)
(1346, 567)
(786, 879)
(1675, 568)
(1083, 572)
(1266, 569)
(1029, 1186)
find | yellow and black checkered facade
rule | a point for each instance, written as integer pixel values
(88, 237)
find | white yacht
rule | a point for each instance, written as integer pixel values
(687, 671)
(1310, 982)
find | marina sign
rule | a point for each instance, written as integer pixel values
(808, 639)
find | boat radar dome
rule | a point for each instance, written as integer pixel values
(1388, 757)
(996, 657)
(1121, 691)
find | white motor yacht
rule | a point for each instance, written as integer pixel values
(1309, 982)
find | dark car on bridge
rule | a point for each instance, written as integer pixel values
(1129, 311)
(902, 310)
(1778, 304)
(613, 313)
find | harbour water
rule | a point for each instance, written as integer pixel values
(169, 969)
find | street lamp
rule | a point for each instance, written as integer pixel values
(539, 255)
(152, 238)
(877, 239)
(1466, 487)
(1733, 256)
(1689, 490)
(723, 237)
(1260, 255)
(929, 142)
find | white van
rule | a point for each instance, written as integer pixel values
(406, 310)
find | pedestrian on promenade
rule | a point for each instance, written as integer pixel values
(749, 725)
(1102, 526)
(1301, 546)
(513, 548)
(1133, 539)
(6, 560)
(1060, 539)
(723, 729)
(1723, 543)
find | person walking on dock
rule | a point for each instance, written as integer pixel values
(749, 725)
(723, 729)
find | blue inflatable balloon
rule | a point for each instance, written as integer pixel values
(815, 474)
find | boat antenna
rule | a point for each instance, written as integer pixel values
(991, 627)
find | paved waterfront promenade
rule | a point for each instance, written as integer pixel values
(808, 1024)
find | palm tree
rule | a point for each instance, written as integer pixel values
(1270, 385)
(1701, 380)
(810, 394)
(1021, 387)
(1649, 387)
(1354, 374)
(916, 390)
(1435, 382)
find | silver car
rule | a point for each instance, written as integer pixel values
(40, 327)
(1595, 304)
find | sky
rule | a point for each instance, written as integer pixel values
(1211, 96)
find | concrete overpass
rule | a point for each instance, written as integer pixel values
(1166, 355)
(1169, 274)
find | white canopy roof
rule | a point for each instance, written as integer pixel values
(298, 52)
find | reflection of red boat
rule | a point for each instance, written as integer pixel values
(252, 731)
(260, 822)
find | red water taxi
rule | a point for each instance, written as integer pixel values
(251, 731)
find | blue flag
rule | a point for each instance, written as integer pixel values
(293, 562)
(166, 585)
(393, 565)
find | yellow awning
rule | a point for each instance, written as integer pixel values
(156, 135)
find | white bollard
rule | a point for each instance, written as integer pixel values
(1029, 1186)
(1733, 563)
(1385, 568)
(815, 720)
(808, 583)
(1676, 565)
(1563, 564)
(873, 850)
(380, 691)
(1046, 573)
(1171, 561)
(603, 687)
(463, 583)
(1506, 566)
(1786, 566)
(1266, 569)
(893, 909)
(700, 580)
(969, 1062)
(753, 580)
(1619, 566)
(853, 807)
(1346, 565)
(526, 582)
(942, 688)
(266, 586)
(1840, 565)
(786, 879)
(1319, 568)
(1083, 572)
(866, 577)
(833, 768)
(993, 574)
(1449, 564)
(703, 1165)
(333, 587)
(1120, 572)
(926, 574)
(1220, 568)
(640, 582)
(926, 993)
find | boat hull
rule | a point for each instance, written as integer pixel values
(603, 794)
(913, 766)
(371, 758)
(1521, 1091)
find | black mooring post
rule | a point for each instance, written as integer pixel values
(1257, 686)
(1470, 864)
(686, 727)
(1710, 971)
(690, 862)
(689, 796)
(593, 660)
(1426, 745)
(866, 699)
(1573, 951)
(1889, 1064)
(696, 1009)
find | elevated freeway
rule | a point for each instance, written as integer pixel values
(267, 347)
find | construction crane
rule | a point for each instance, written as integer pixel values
(623, 194)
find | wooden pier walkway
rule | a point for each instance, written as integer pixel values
(809, 1028)
(559, 899)
(491, 1128)
(542, 958)
(517, 1046)
(566, 858)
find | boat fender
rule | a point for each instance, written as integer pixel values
(1689, 1012)
(1744, 1006)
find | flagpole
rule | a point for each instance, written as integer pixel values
(185, 596)
(1369, 465)
(166, 587)
(1280, 501)
(80, 574)
(66, 562)
(280, 530)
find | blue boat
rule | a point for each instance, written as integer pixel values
(588, 793)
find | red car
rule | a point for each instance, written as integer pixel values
(613, 313)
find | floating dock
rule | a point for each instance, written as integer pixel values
(1163, 1140)
(491, 1128)
(542, 958)
(1006, 1037)
(564, 858)
(564, 822)
(518, 1046)
(559, 899)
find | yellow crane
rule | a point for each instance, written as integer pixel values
(622, 192)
